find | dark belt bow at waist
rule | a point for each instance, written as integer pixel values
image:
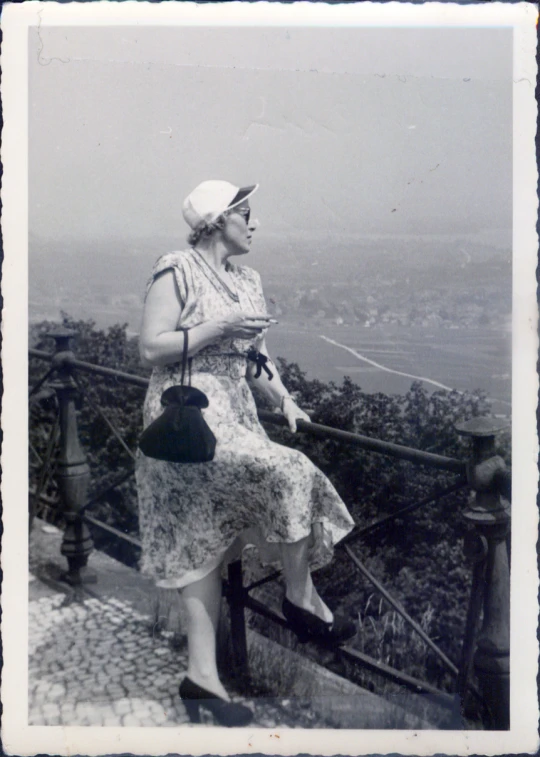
(252, 354)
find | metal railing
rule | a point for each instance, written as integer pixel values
(486, 641)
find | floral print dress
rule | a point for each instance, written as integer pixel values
(193, 516)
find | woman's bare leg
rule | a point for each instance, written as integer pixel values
(202, 600)
(300, 589)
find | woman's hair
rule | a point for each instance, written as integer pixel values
(205, 229)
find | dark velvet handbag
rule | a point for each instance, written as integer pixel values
(180, 434)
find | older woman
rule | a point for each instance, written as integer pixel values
(195, 517)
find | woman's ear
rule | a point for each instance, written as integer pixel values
(219, 224)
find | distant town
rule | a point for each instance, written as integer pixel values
(428, 285)
(387, 303)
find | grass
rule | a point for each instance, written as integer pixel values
(385, 635)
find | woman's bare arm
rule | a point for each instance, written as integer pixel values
(273, 389)
(161, 344)
(276, 392)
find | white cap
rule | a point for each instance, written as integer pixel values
(212, 198)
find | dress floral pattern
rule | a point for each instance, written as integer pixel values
(194, 516)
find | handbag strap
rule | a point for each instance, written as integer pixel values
(185, 360)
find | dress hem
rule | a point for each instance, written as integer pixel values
(248, 538)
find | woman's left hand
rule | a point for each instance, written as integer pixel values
(292, 413)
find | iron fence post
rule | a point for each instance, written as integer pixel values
(475, 548)
(73, 472)
(491, 520)
(238, 618)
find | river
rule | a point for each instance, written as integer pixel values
(462, 359)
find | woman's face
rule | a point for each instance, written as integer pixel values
(238, 229)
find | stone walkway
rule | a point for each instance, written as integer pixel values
(99, 662)
(96, 663)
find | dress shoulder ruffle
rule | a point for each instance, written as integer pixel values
(179, 263)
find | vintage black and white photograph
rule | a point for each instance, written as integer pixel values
(272, 339)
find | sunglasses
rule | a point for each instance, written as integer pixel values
(244, 212)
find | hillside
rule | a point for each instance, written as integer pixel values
(408, 281)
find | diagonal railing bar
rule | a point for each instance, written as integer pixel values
(357, 657)
(112, 530)
(93, 521)
(398, 607)
(266, 580)
(49, 504)
(359, 532)
(45, 469)
(97, 409)
(35, 452)
(95, 498)
(414, 684)
(48, 500)
(102, 492)
(41, 381)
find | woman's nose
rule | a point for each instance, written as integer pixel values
(253, 224)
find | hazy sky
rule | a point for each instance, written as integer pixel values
(348, 131)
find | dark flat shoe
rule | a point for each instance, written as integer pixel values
(309, 627)
(230, 714)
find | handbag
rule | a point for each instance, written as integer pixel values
(180, 434)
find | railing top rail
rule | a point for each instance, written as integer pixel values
(100, 370)
(373, 445)
(389, 449)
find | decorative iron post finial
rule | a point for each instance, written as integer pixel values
(62, 337)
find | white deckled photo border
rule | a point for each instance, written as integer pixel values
(20, 738)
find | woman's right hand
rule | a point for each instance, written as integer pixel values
(243, 325)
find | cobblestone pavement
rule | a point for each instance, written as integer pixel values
(99, 663)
